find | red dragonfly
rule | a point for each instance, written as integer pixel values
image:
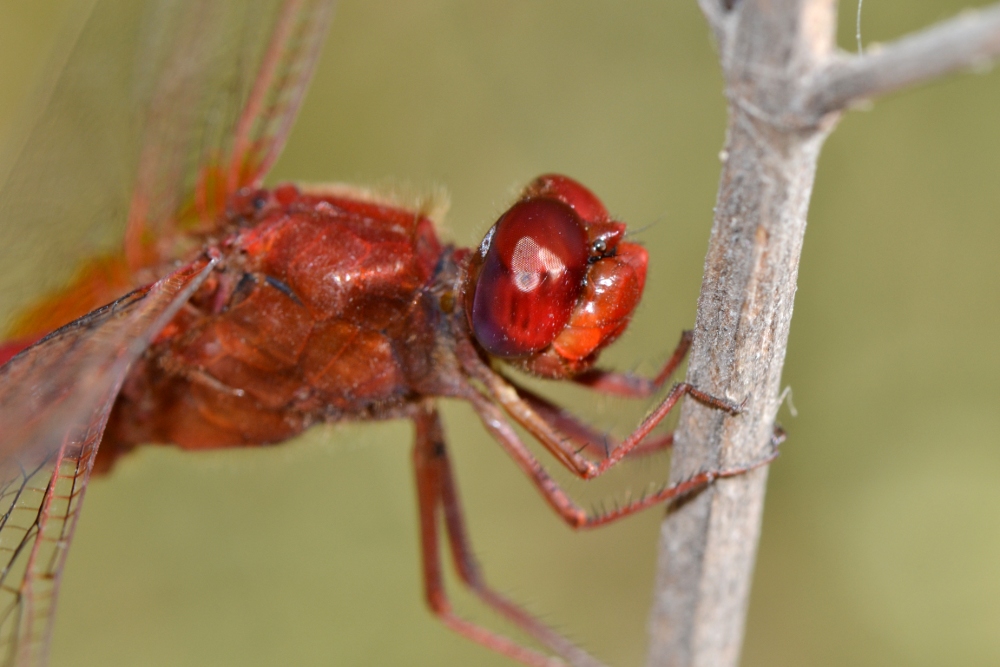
(236, 315)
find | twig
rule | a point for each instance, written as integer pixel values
(970, 40)
(786, 83)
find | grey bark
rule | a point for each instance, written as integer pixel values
(786, 84)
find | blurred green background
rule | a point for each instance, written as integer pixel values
(881, 538)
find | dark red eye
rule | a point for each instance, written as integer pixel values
(565, 189)
(531, 277)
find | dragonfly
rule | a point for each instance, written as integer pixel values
(235, 315)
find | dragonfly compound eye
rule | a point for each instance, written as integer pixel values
(569, 191)
(531, 278)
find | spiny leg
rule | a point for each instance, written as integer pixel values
(587, 438)
(611, 383)
(628, 385)
(598, 443)
(561, 444)
(625, 385)
(574, 515)
(436, 489)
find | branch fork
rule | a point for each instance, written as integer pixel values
(787, 85)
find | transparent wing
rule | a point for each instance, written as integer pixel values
(55, 398)
(226, 98)
(67, 169)
(161, 108)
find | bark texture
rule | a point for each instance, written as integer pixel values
(786, 84)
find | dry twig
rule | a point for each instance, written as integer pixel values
(787, 84)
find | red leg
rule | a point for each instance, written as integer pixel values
(436, 489)
(612, 383)
(571, 513)
(589, 440)
(652, 446)
(595, 442)
(628, 386)
(559, 443)
(635, 386)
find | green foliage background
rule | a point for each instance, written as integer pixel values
(881, 539)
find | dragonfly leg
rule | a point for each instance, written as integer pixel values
(562, 444)
(436, 491)
(628, 385)
(574, 515)
(598, 443)
(587, 438)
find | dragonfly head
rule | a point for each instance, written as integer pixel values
(553, 281)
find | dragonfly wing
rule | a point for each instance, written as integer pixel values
(55, 398)
(146, 110)
(278, 91)
(225, 100)
(66, 172)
